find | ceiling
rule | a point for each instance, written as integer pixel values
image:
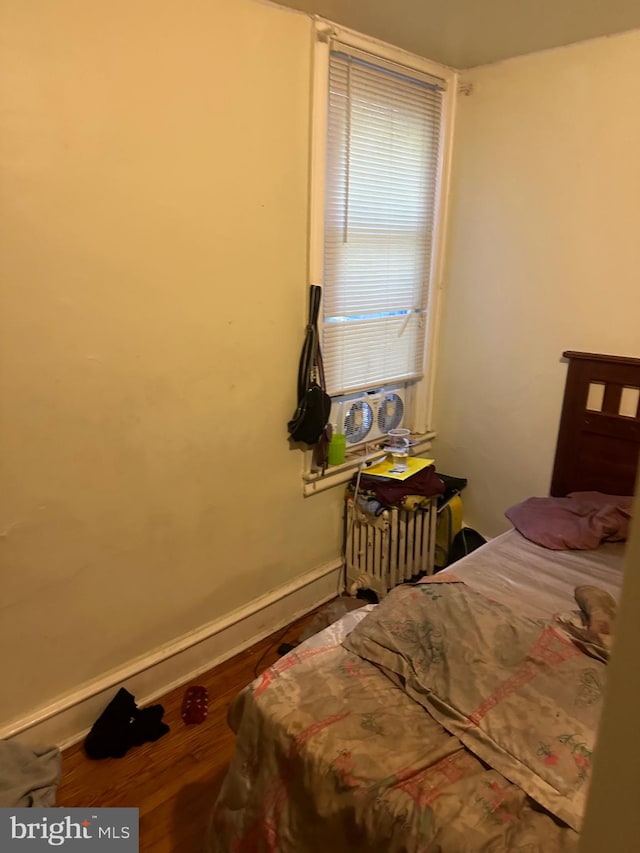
(466, 33)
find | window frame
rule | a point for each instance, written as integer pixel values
(421, 391)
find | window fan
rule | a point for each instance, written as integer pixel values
(358, 421)
(368, 415)
(390, 412)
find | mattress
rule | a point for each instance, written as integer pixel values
(534, 580)
(332, 753)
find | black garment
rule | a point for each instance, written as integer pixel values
(123, 725)
(389, 492)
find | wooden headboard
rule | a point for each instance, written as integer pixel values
(599, 435)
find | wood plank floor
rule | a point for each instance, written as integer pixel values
(174, 782)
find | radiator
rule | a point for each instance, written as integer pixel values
(382, 552)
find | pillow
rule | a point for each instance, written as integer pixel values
(580, 521)
(599, 499)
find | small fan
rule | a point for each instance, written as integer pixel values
(390, 412)
(358, 421)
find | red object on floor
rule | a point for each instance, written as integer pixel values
(195, 705)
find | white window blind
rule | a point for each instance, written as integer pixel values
(381, 187)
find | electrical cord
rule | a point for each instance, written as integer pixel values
(350, 523)
(464, 539)
(355, 502)
(273, 645)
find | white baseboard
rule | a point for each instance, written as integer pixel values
(68, 718)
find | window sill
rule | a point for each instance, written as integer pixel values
(314, 481)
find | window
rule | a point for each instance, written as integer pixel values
(377, 206)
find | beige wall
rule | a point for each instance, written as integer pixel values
(153, 265)
(544, 256)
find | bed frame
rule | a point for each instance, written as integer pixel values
(599, 435)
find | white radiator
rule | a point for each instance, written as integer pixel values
(382, 552)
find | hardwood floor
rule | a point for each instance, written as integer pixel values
(174, 781)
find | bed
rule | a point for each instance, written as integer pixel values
(456, 716)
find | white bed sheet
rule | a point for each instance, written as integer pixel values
(534, 580)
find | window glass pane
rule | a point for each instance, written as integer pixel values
(382, 168)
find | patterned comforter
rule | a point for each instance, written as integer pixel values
(445, 722)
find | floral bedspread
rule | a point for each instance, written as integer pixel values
(338, 753)
(518, 693)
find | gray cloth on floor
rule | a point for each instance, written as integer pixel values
(28, 776)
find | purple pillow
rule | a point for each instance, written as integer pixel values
(580, 521)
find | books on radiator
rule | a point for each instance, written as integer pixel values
(390, 470)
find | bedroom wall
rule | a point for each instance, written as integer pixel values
(154, 164)
(543, 257)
